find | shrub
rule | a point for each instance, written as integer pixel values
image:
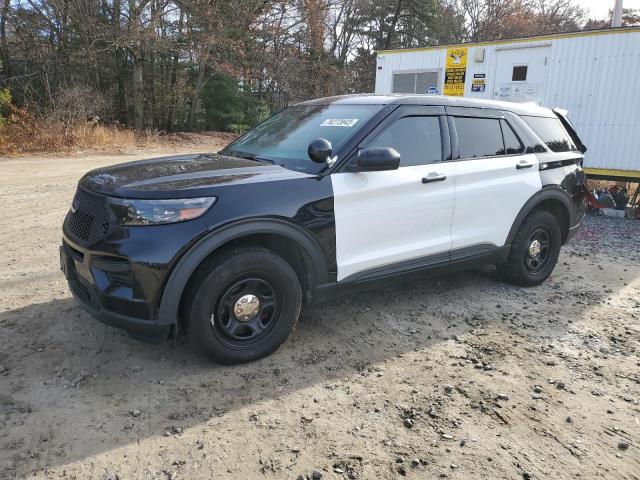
(5, 106)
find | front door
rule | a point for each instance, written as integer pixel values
(520, 74)
(394, 218)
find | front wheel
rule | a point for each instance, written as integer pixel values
(534, 250)
(242, 305)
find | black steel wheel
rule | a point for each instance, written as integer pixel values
(538, 251)
(242, 304)
(534, 251)
(246, 311)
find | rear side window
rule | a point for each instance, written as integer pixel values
(551, 131)
(417, 140)
(512, 143)
(479, 137)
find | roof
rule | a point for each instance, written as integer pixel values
(552, 36)
(432, 100)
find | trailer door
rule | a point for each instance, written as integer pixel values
(520, 73)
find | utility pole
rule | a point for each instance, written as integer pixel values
(617, 14)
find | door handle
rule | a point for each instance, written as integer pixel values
(522, 165)
(433, 177)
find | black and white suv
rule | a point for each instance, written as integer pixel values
(325, 196)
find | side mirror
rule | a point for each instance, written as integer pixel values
(376, 159)
(319, 150)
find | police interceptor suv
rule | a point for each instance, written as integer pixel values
(326, 196)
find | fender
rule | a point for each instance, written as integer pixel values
(548, 192)
(179, 276)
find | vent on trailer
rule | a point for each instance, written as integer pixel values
(414, 82)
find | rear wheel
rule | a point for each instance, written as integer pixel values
(534, 250)
(242, 305)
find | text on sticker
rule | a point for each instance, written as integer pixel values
(339, 122)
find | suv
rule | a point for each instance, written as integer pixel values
(323, 197)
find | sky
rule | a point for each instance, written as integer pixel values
(599, 9)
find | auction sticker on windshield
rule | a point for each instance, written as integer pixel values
(339, 122)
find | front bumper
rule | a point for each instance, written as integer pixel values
(101, 289)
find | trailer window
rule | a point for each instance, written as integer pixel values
(551, 131)
(519, 74)
(479, 137)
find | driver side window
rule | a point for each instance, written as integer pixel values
(416, 139)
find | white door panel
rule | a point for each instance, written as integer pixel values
(388, 217)
(529, 87)
(489, 194)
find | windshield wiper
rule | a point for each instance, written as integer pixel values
(249, 156)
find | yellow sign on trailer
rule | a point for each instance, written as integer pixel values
(456, 71)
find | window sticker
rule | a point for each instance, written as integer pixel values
(339, 122)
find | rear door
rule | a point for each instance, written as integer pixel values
(395, 218)
(494, 179)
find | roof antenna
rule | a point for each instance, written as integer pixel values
(616, 21)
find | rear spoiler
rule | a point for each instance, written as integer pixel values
(564, 119)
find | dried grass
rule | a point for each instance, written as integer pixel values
(31, 136)
(26, 135)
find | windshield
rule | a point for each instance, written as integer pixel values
(285, 137)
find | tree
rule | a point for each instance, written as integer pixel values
(630, 18)
(496, 19)
(194, 64)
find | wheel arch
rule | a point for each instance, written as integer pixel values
(552, 199)
(286, 237)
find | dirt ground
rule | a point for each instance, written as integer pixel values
(456, 377)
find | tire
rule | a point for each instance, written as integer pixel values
(242, 305)
(523, 267)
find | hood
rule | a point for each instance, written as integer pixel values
(181, 176)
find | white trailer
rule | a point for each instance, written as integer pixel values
(595, 75)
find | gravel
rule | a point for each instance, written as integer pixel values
(82, 400)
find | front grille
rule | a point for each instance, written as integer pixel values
(88, 220)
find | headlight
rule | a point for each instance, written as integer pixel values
(154, 212)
